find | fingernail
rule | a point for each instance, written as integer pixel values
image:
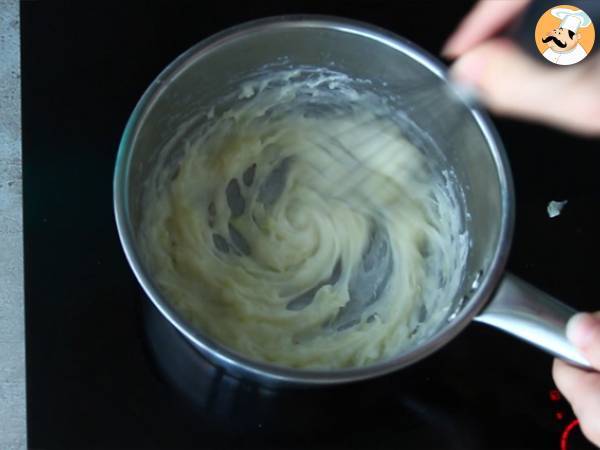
(469, 69)
(582, 328)
(448, 50)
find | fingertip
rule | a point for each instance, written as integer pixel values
(471, 68)
(468, 69)
(451, 48)
(556, 364)
(483, 21)
(559, 370)
(460, 40)
(582, 329)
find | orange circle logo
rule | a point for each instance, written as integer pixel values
(565, 35)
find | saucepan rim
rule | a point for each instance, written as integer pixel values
(270, 373)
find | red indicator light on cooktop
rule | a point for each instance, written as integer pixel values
(564, 439)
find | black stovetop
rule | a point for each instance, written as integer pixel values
(93, 380)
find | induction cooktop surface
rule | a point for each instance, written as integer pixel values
(105, 371)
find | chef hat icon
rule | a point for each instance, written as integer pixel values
(572, 20)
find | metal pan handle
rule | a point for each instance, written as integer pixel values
(524, 311)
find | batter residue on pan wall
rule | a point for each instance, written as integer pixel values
(301, 227)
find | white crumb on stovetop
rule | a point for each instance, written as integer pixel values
(555, 207)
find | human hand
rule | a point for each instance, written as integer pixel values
(511, 83)
(582, 388)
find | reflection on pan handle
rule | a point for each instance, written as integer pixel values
(526, 312)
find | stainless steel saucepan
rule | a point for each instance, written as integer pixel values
(472, 148)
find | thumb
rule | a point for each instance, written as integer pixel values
(583, 330)
(510, 82)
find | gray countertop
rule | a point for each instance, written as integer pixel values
(12, 327)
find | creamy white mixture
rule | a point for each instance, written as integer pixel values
(301, 234)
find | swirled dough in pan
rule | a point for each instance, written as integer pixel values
(299, 226)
